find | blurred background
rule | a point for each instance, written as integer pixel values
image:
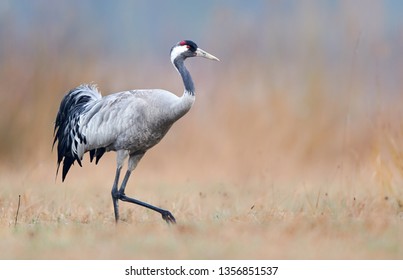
(305, 90)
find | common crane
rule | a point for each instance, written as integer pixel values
(128, 122)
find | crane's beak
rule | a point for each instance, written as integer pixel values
(201, 53)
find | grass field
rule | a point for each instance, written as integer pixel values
(227, 207)
(293, 149)
(215, 221)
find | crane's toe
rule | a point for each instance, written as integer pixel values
(168, 217)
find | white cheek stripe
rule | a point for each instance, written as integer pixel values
(176, 51)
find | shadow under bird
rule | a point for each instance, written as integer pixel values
(128, 122)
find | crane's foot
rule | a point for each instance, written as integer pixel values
(168, 217)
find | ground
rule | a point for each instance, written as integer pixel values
(215, 220)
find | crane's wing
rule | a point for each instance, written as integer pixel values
(67, 128)
(130, 120)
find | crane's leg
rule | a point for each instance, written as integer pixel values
(120, 194)
(166, 215)
(115, 197)
(120, 158)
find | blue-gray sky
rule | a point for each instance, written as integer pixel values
(288, 33)
(120, 26)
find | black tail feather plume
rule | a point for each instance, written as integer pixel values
(67, 126)
(97, 153)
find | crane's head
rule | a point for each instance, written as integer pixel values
(187, 48)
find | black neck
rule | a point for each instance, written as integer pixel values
(187, 79)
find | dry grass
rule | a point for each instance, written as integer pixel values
(251, 209)
(215, 221)
(288, 153)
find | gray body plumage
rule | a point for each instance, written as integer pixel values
(133, 120)
(128, 122)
